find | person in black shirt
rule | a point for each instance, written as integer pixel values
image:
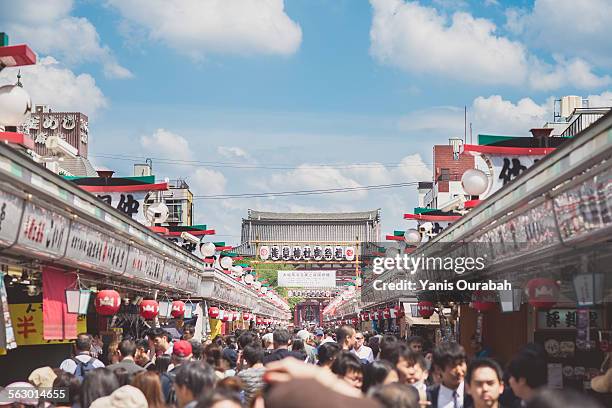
(281, 339)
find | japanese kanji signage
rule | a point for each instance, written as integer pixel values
(28, 324)
(566, 319)
(43, 231)
(307, 279)
(129, 203)
(307, 253)
(90, 247)
(504, 168)
(145, 265)
(11, 208)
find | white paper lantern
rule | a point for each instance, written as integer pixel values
(248, 279)
(207, 249)
(412, 236)
(226, 262)
(474, 182)
(15, 105)
(257, 285)
(237, 270)
(263, 289)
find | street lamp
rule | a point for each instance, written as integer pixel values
(412, 236)
(474, 182)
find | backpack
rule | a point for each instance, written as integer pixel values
(167, 383)
(83, 368)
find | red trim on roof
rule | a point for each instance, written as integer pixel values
(159, 230)
(208, 260)
(17, 138)
(17, 55)
(223, 248)
(394, 238)
(515, 151)
(192, 232)
(471, 203)
(126, 189)
(425, 217)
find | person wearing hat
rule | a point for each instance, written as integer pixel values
(123, 397)
(181, 354)
(42, 377)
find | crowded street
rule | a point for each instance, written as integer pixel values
(296, 203)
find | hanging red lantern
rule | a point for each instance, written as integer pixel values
(107, 302)
(213, 312)
(482, 301)
(178, 309)
(543, 293)
(365, 316)
(235, 316)
(259, 320)
(386, 313)
(381, 314)
(227, 315)
(355, 321)
(373, 315)
(425, 308)
(246, 316)
(149, 308)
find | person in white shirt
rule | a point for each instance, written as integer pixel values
(363, 352)
(449, 362)
(83, 346)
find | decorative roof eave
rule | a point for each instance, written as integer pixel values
(477, 150)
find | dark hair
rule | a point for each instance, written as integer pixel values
(413, 358)
(297, 344)
(531, 367)
(143, 344)
(448, 354)
(415, 339)
(397, 395)
(567, 398)
(483, 362)
(375, 373)
(123, 376)
(189, 328)
(197, 377)
(196, 349)
(69, 382)
(162, 362)
(99, 382)
(253, 354)
(127, 348)
(373, 343)
(83, 342)
(159, 332)
(343, 332)
(346, 362)
(281, 337)
(389, 349)
(230, 341)
(246, 338)
(213, 396)
(328, 352)
(213, 354)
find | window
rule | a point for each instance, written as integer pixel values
(444, 175)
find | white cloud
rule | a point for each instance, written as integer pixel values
(576, 28)
(167, 145)
(207, 182)
(49, 28)
(233, 152)
(197, 27)
(419, 39)
(48, 82)
(491, 115)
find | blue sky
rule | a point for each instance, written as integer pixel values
(299, 82)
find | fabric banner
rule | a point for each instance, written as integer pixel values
(215, 328)
(28, 318)
(7, 335)
(58, 324)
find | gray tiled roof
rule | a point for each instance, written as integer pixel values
(343, 216)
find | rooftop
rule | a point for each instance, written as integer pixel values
(328, 216)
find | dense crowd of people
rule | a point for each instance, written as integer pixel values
(302, 368)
